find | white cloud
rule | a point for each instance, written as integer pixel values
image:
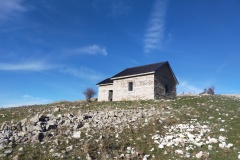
(23, 101)
(11, 7)
(26, 66)
(119, 8)
(91, 50)
(31, 97)
(154, 34)
(187, 87)
(222, 67)
(83, 73)
(112, 8)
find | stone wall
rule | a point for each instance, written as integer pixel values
(162, 78)
(152, 86)
(103, 92)
(143, 88)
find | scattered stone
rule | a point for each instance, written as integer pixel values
(76, 134)
(56, 155)
(88, 157)
(15, 157)
(7, 152)
(56, 109)
(50, 126)
(57, 141)
(46, 127)
(199, 155)
(178, 151)
(69, 148)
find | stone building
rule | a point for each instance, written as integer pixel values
(153, 81)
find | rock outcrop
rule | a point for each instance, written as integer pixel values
(39, 127)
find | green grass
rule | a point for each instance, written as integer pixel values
(214, 111)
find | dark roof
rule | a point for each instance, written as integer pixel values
(136, 71)
(139, 70)
(105, 81)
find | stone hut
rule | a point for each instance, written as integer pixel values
(152, 81)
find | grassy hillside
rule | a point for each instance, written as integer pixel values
(201, 127)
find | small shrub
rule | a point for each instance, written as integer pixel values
(89, 93)
(210, 90)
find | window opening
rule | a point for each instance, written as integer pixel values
(130, 86)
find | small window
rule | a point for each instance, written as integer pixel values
(130, 86)
(166, 88)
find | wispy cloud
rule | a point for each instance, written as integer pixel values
(90, 50)
(112, 8)
(134, 61)
(83, 73)
(26, 96)
(222, 67)
(11, 7)
(23, 101)
(119, 8)
(188, 87)
(154, 34)
(26, 66)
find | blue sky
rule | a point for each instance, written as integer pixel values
(52, 50)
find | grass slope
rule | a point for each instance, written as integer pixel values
(221, 114)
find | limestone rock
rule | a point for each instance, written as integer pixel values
(76, 134)
(50, 126)
(57, 109)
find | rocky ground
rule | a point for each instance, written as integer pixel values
(195, 127)
(232, 95)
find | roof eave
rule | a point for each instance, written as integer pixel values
(173, 74)
(132, 75)
(105, 84)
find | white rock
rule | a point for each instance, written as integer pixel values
(229, 145)
(146, 157)
(88, 157)
(133, 151)
(199, 155)
(69, 148)
(76, 134)
(198, 144)
(56, 155)
(213, 140)
(169, 144)
(155, 137)
(209, 147)
(129, 148)
(222, 138)
(122, 155)
(178, 151)
(222, 130)
(56, 110)
(169, 137)
(188, 155)
(222, 145)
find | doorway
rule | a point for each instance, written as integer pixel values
(110, 95)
